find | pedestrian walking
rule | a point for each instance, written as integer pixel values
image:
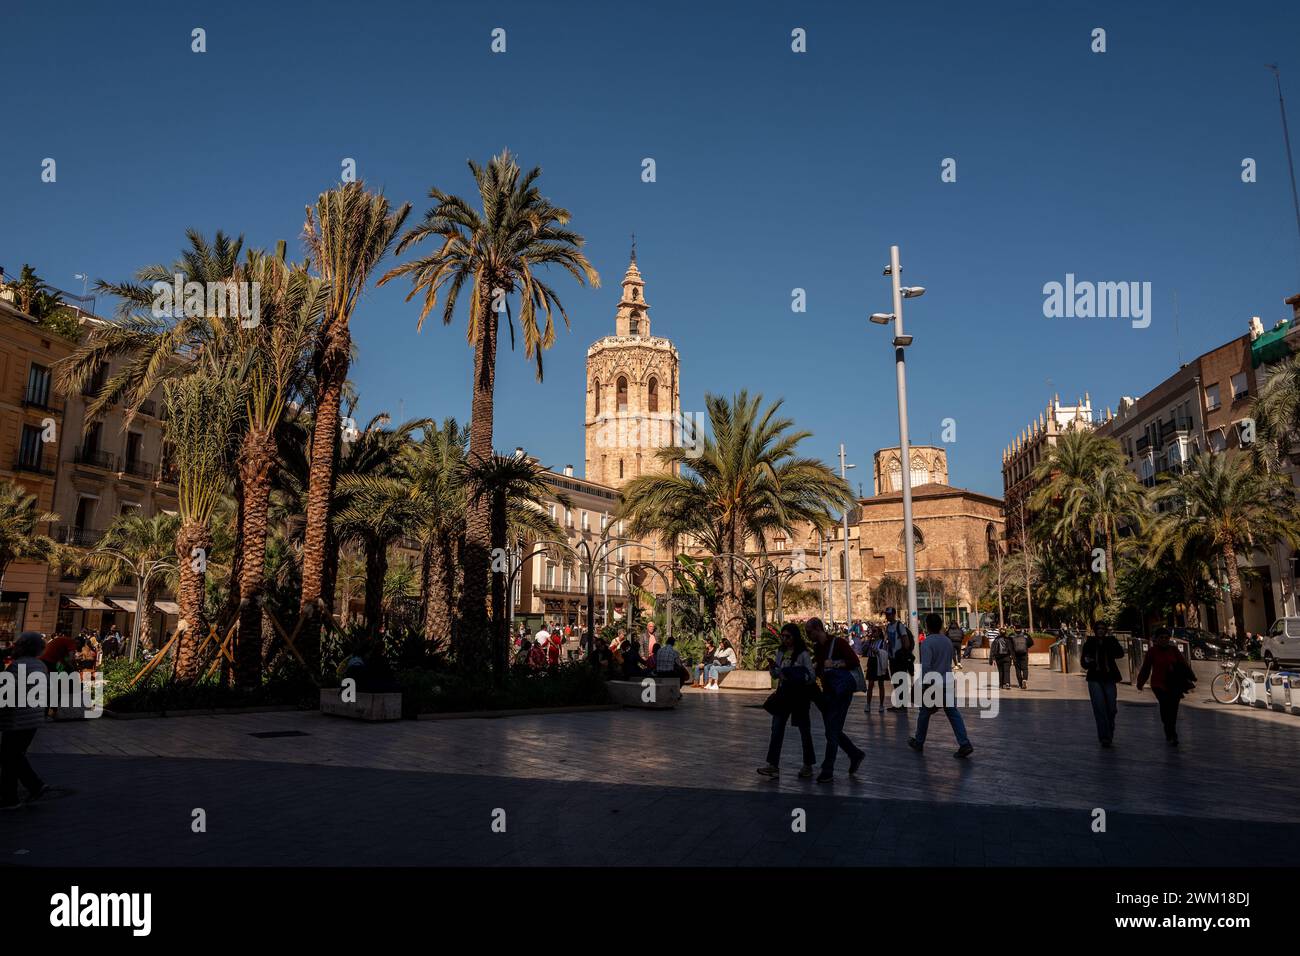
(1001, 653)
(902, 645)
(1099, 655)
(876, 654)
(18, 725)
(955, 634)
(841, 675)
(1021, 642)
(1171, 677)
(936, 672)
(796, 685)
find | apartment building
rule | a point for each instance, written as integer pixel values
(85, 475)
(1032, 445)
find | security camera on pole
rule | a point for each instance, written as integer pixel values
(901, 342)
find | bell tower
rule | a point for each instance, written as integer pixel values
(633, 403)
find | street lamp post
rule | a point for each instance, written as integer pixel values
(901, 342)
(848, 587)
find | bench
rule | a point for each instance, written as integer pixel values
(745, 680)
(666, 692)
(372, 707)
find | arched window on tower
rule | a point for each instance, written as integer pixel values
(596, 388)
(652, 394)
(635, 325)
(620, 467)
(621, 390)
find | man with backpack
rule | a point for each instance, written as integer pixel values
(1021, 642)
(901, 645)
(955, 634)
(1001, 652)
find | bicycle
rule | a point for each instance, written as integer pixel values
(1226, 686)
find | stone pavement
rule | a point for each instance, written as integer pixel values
(673, 787)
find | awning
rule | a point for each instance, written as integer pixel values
(89, 603)
(168, 607)
(126, 604)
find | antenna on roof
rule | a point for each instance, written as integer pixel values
(634, 247)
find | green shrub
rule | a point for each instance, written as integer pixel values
(438, 692)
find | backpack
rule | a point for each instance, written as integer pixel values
(1020, 643)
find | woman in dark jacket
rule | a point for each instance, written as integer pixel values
(790, 701)
(1098, 657)
(1000, 651)
(1171, 677)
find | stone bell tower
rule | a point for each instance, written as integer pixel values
(633, 403)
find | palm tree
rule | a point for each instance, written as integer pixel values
(1277, 416)
(141, 548)
(434, 469)
(513, 488)
(746, 482)
(272, 367)
(20, 516)
(1222, 504)
(379, 511)
(202, 417)
(346, 234)
(497, 251)
(1100, 504)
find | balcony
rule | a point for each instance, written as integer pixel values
(32, 466)
(136, 468)
(1143, 443)
(167, 474)
(77, 537)
(93, 458)
(149, 407)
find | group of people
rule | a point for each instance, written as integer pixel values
(1007, 649)
(828, 674)
(64, 653)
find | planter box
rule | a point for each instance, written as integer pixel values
(745, 680)
(632, 693)
(1037, 659)
(372, 707)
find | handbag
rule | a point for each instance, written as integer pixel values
(837, 682)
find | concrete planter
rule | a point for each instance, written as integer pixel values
(745, 680)
(666, 693)
(372, 707)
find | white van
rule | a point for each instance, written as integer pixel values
(1282, 642)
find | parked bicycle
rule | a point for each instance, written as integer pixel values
(1226, 686)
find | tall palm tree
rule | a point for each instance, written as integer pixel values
(272, 366)
(138, 548)
(513, 488)
(1223, 503)
(347, 233)
(20, 519)
(747, 482)
(203, 412)
(498, 250)
(1100, 504)
(379, 511)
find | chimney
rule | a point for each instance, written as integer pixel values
(1294, 302)
(568, 471)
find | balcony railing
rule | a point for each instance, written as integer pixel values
(27, 464)
(93, 457)
(139, 469)
(39, 402)
(78, 537)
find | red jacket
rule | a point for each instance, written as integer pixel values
(1161, 663)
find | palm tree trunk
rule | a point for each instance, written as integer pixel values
(255, 463)
(237, 560)
(500, 640)
(376, 572)
(146, 611)
(476, 555)
(190, 597)
(1235, 594)
(439, 600)
(332, 370)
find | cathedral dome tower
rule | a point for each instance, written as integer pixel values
(633, 403)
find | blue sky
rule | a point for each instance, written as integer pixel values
(775, 171)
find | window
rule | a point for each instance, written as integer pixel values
(38, 386)
(652, 394)
(1239, 386)
(604, 520)
(620, 467)
(596, 389)
(550, 574)
(1212, 397)
(635, 327)
(551, 509)
(30, 448)
(621, 398)
(586, 524)
(568, 517)
(1217, 442)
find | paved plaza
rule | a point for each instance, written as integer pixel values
(678, 787)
